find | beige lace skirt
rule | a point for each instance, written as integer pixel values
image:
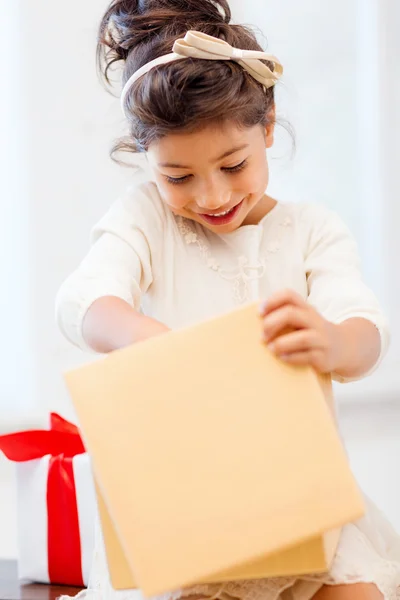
(369, 552)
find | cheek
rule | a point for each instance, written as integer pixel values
(173, 195)
(255, 180)
(263, 172)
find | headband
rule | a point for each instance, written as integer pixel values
(206, 47)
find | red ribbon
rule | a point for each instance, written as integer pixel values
(62, 442)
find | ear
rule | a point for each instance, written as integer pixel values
(270, 128)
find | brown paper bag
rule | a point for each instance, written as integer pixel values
(214, 460)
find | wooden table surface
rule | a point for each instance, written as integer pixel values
(13, 589)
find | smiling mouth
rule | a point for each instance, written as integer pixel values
(222, 218)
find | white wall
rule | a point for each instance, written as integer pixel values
(389, 83)
(16, 355)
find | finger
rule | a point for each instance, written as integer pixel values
(280, 299)
(289, 317)
(310, 358)
(299, 341)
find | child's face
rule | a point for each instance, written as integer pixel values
(215, 176)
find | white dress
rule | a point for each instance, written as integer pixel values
(179, 273)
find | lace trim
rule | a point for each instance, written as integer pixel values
(381, 572)
(245, 271)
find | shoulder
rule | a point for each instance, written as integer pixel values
(308, 215)
(317, 225)
(140, 207)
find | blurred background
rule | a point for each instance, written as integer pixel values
(341, 93)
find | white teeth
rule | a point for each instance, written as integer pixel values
(222, 214)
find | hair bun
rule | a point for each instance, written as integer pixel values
(128, 23)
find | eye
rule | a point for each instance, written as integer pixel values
(177, 180)
(236, 168)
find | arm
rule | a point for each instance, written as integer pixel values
(98, 306)
(111, 323)
(340, 328)
(361, 346)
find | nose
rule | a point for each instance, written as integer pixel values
(213, 195)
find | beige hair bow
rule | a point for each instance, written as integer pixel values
(196, 44)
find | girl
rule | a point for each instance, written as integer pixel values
(204, 237)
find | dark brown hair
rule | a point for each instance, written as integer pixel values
(187, 94)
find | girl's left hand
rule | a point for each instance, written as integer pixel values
(298, 334)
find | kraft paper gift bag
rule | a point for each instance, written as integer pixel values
(213, 459)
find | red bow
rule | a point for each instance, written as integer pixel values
(62, 442)
(63, 438)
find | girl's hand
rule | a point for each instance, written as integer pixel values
(298, 334)
(111, 324)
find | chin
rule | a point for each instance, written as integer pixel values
(224, 228)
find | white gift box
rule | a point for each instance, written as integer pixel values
(56, 504)
(33, 525)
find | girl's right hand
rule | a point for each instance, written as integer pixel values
(111, 324)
